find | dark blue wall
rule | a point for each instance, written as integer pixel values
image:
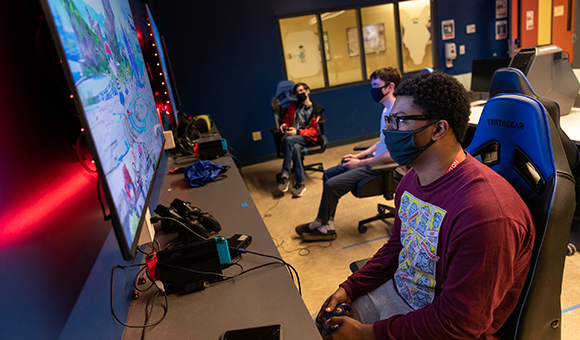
(227, 60)
(479, 45)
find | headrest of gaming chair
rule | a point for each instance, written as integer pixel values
(284, 93)
(513, 137)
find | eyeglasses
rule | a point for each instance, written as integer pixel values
(394, 121)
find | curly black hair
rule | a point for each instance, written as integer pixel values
(440, 95)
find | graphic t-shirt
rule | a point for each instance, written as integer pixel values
(415, 276)
(459, 254)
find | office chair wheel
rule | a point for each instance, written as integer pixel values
(571, 249)
(362, 228)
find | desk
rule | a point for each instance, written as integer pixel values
(261, 297)
(570, 123)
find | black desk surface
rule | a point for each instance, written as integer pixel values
(261, 297)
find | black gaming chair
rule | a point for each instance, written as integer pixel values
(383, 184)
(282, 98)
(512, 80)
(528, 152)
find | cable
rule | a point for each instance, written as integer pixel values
(198, 271)
(178, 221)
(274, 206)
(153, 300)
(288, 265)
(77, 149)
(107, 217)
(304, 251)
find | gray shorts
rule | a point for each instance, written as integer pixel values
(380, 304)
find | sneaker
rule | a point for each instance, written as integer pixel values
(299, 190)
(316, 235)
(303, 228)
(284, 183)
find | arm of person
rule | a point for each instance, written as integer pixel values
(482, 265)
(379, 269)
(359, 160)
(288, 117)
(311, 131)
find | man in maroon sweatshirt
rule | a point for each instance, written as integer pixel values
(462, 239)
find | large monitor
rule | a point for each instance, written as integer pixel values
(103, 63)
(171, 97)
(482, 71)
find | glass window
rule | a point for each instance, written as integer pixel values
(415, 19)
(342, 62)
(379, 36)
(300, 41)
(341, 33)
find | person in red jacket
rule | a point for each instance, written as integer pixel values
(300, 128)
(461, 243)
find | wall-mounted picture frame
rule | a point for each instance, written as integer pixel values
(374, 39)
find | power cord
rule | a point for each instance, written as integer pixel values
(274, 206)
(288, 265)
(156, 219)
(303, 251)
(152, 301)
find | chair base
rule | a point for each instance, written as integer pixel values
(385, 211)
(314, 167)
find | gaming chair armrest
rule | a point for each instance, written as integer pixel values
(383, 166)
(388, 170)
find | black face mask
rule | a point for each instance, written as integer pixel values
(301, 96)
(377, 93)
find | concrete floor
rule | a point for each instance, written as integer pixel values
(324, 265)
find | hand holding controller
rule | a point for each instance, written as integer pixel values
(340, 310)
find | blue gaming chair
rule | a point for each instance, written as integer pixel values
(516, 138)
(282, 98)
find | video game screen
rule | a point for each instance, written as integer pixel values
(116, 103)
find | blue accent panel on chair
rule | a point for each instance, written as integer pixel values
(515, 122)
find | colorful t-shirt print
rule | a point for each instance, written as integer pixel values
(415, 276)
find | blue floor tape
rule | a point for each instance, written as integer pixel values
(358, 244)
(569, 309)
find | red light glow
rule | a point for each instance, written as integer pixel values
(21, 221)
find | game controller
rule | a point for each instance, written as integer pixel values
(206, 219)
(284, 128)
(343, 160)
(192, 226)
(339, 310)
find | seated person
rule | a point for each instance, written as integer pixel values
(300, 128)
(462, 240)
(343, 178)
